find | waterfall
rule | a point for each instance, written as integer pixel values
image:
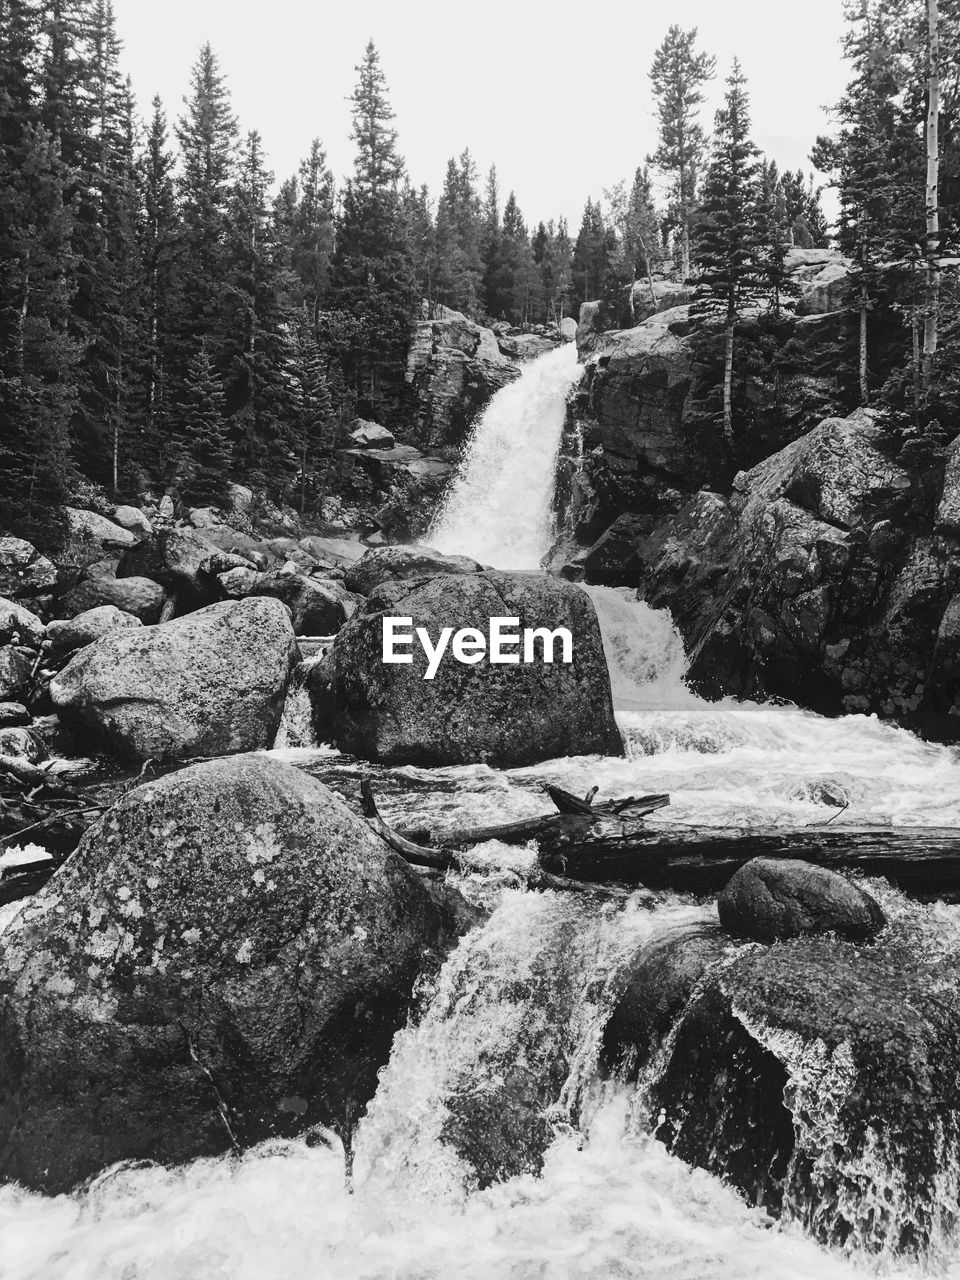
(500, 507)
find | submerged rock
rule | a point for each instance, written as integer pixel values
(501, 714)
(225, 957)
(770, 899)
(207, 684)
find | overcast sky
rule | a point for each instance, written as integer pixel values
(556, 94)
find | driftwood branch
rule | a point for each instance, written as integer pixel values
(445, 859)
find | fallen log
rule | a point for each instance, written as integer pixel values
(922, 861)
(446, 859)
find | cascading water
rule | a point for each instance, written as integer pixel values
(496, 1077)
(499, 509)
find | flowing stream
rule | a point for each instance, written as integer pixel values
(518, 1008)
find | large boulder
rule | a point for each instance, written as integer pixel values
(207, 684)
(370, 435)
(23, 570)
(226, 957)
(384, 564)
(820, 1077)
(141, 597)
(65, 635)
(770, 899)
(503, 714)
(90, 537)
(453, 368)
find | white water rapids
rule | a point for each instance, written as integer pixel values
(528, 991)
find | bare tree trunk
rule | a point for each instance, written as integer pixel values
(864, 371)
(728, 375)
(303, 477)
(915, 353)
(932, 302)
(653, 292)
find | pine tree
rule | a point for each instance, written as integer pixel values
(159, 230)
(497, 293)
(374, 275)
(207, 133)
(312, 230)
(728, 246)
(37, 353)
(678, 74)
(774, 236)
(311, 408)
(255, 318)
(205, 447)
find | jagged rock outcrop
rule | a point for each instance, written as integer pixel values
(208, 684)
(810, 582)
(226, 957)
(471, 711)
(453, 368)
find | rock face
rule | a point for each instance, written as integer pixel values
(383, 564)
(820, 1077)
(807, 583)
(228, 936)
(394, 491)
(770, 899)
(23, 570)
(496, 713)
(15, 668)
(453, 368)
(211, 683)
(141, 597)
(85, 628)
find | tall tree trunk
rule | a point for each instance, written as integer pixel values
(864, 372)
(932, 302)
(646, 263)
(728, 373)
(915, 361)
(684, 227)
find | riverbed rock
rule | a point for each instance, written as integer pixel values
(19, 625)
(175, 559)
(13, 715)
(23, 744)
(65, 635)
(15, 667)
(207, 684)
(23, 570)
(228, 946)
(819, 1077)
(453, 368)
(383, 564)
(141, 597)
(770, 899)
(317, 608)
(499, 714)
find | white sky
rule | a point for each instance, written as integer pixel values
(556, 94)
